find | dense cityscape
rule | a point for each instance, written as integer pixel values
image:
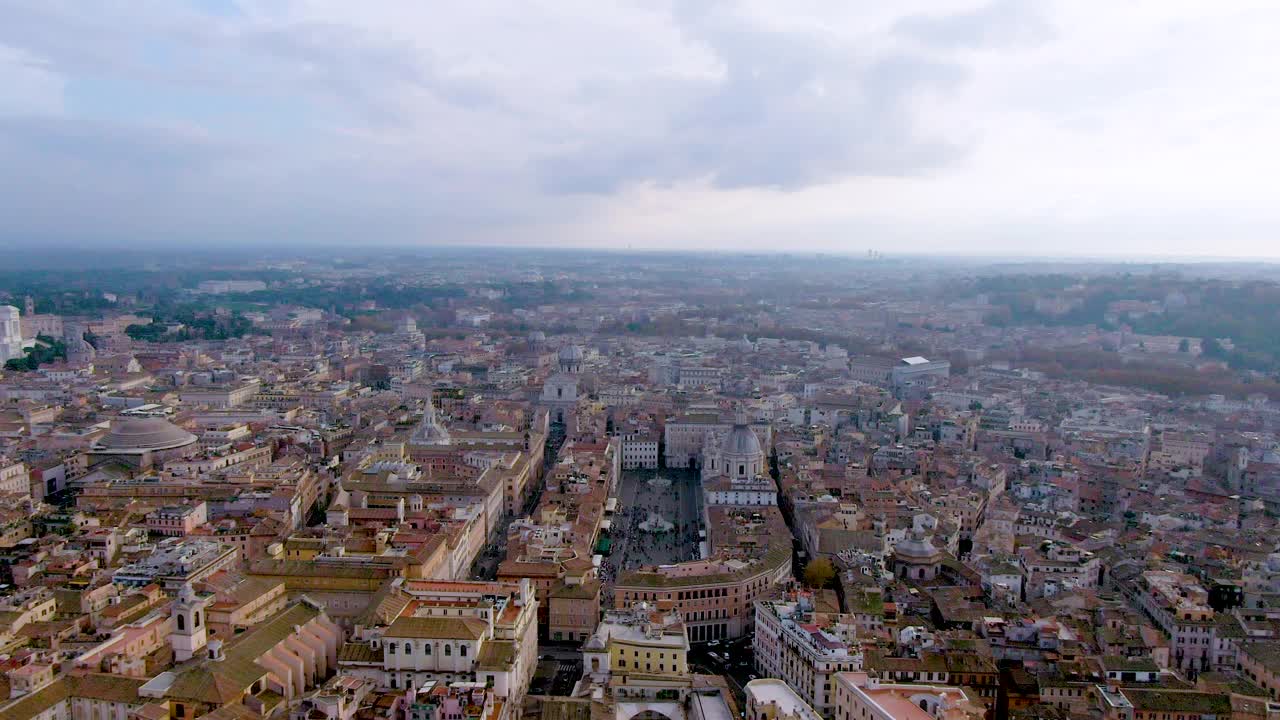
(448, 484)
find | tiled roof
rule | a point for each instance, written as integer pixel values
(229, 679)
(358, 652)
(437, 628)
(496, 655)
(98, 686)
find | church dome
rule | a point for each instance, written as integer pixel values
(571, 353)
(137, 434)
(537, 336)
(741, 440)
(917, 547)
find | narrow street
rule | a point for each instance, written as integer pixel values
(486, 565)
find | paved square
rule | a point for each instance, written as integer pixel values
(679, 503)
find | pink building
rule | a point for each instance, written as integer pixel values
(178, 520)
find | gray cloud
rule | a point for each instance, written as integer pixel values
(149, 120)
(999, 24)
(367, 75)
(789, 111)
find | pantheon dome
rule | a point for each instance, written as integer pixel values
(143, 434)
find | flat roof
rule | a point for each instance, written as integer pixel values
(772, 690)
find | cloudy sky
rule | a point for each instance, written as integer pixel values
(1073, 127)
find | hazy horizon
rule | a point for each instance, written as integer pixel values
(1006, 129)
(236, 253)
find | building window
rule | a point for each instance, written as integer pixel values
(462, 650)
(426, 649)
(448, 650)
(408, 649)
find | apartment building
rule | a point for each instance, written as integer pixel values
(804, 648)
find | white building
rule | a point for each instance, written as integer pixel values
(452, 631)
(734, 470)
(917, 369)
(790, 648)
(639, 451)
(221, 287)
(873, 371)
(190, 626)
(560, 391)
(1179, 449)
(1179, 606)
(1057, 567)
(685, 376)
(733, 492)
(10, 333)
(692, 377)
(738, 456)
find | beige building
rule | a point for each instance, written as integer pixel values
(574, 608)
(1260, 662)
(13, 477)
(240, 603)
(715, 597)
(220, 396)
(78, 696)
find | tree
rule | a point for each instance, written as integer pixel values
(819, 573)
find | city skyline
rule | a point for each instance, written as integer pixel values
(462, 484)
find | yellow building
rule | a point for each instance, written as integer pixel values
(639, 641)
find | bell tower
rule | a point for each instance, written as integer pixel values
(190, 626)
